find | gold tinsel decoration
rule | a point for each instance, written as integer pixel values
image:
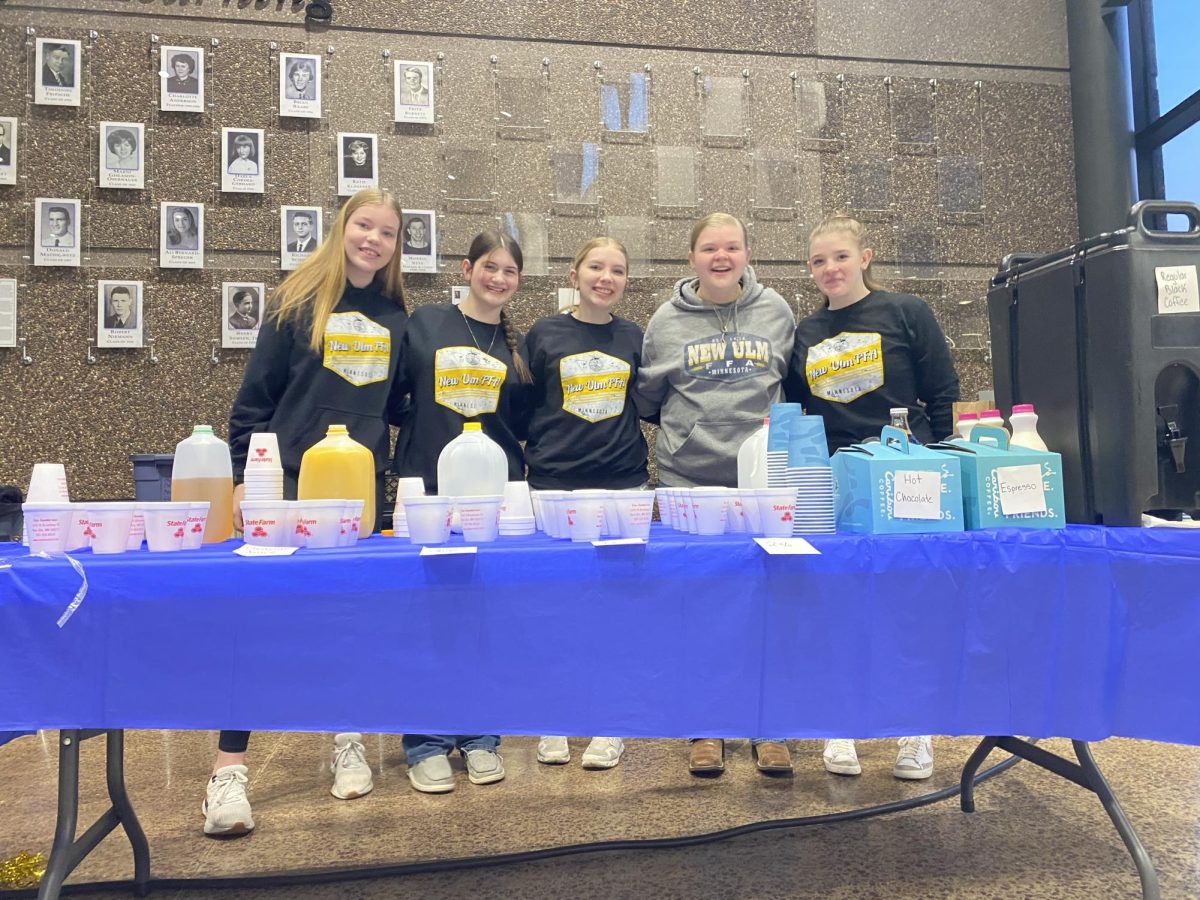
(24, 870)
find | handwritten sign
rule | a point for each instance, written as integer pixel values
(618, 542)
(255, 550)
(1021, 489)
(787, 546)
(917, 495)
(448, 551)
(1177, 289)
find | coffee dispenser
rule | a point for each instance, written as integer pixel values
(1104, 339)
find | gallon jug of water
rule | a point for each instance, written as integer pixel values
(752, 459)
(471, 465)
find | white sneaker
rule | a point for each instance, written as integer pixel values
(603, 753)
(226, 809)
(840, 757)
(553, 750)
(914, 762)
(351, 774)
(432, 775)
(484, 766)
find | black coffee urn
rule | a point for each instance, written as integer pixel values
(1104, 339)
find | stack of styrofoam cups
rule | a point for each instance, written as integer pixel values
(265, 523)
(585, 514)
(110, 524)
(539, 521)
(264, 472)
(735, 519)
(554, 513)
(776, 510)
(355, 508)
(516, 511)
(611, 526)
(480, 517)
(687, 515)
(321, 521)
(137, 529)
(48, 502)
(749, 498)
(406, 487)
(429, 519)
(635, 509)
(166, 524)
(711, 509)
(197, 519)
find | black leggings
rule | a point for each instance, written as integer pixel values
(237, 741)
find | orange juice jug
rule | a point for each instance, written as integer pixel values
(339, 467)
(202, 470)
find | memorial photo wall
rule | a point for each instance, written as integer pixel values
(204, 169)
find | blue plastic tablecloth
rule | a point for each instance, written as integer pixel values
(1085, 633)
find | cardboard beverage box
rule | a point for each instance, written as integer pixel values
(897, 487)
(1007, 487)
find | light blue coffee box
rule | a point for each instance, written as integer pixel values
(875, 481)
(997, 476)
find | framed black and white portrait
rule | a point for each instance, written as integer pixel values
(358, 162)
(300, 85)
(418, 241)
(8, 150)
(8, 312)
(241, 314)
(181, 79)
(413, 91)
(299, 234)
(58, 72)
(56, 232)
(122, 155)
(119, 314)
(181, 235)
(242, 161)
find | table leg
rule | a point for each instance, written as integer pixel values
(1087, 775)
(68, 852)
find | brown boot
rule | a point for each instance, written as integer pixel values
(707, 757)
(773, 758)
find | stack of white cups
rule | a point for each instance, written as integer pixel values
(264, 473)
(516, 512)
(47, 485)
(405, 487)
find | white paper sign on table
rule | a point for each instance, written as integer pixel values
(1178, 291)
(917, 495)
(448, 551)
(793, 546)
(255, 550)
(1021, 489)
(618, 542)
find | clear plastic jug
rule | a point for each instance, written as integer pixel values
(337, 467)
(202, 470)
(752, 459)
(472, 465)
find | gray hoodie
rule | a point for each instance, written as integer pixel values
(711, 374)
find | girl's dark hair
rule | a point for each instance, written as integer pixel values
(485, 242)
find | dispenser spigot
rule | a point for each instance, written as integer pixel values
(1173, 438)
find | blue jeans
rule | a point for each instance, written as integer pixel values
(422, 746)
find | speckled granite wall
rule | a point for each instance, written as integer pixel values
(952, 144)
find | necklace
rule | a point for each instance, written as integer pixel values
(723, 322)
(471, 332)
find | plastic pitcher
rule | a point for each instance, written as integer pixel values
(203, 471)
(338, 467)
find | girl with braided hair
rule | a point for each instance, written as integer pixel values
(459, 364)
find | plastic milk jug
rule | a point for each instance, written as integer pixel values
(752, 459)
(1024, 428)
(966, 424)
(202, 470)
(337, 467)
(471, 465)
(993, 418)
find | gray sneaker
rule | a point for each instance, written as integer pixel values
(553, 750)
(484, 766)
(351, 774)
(432, 775)
(226, 808)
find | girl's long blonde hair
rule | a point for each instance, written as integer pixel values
(842, 223)
(595, 244)
(308, 296)
(717, 220)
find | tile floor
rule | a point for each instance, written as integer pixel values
(1034, 835)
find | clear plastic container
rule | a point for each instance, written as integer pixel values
(338, 467)
(752, 459)
(204, 471)
(472, 465)
(1024, 428)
